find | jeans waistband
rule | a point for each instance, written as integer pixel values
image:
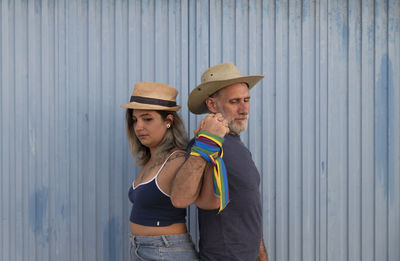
(164, 240)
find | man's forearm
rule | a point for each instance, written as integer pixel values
(262, 253)
(187, 183)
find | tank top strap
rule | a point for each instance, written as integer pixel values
(165, 162)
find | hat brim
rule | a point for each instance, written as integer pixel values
(197, 97)
(152, 107)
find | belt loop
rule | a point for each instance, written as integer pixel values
(165, 241)
(132, 238)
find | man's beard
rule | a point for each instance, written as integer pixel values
(237, 127)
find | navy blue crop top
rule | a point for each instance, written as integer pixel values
(151, 206)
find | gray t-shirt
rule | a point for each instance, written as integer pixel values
(235, 233)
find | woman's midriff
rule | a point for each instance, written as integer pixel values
(139, 230)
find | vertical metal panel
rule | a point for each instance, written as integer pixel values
(92, 118)
(255, 66)
(337, 209)
(294, 130)
(309, 131)
(354, 131)
(282, 129)
(381, 129)
(268, 166)
(367, 147)
(324, 129)
(394, 130)
(322, 111)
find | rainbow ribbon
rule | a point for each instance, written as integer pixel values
(209, 146)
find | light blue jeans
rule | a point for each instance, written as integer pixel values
(167, 248)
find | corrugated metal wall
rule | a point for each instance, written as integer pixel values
(324, 128)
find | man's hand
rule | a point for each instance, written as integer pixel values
(213, 123)
(262, 253)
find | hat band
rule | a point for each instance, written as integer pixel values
(152, 101)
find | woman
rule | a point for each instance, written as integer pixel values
(158, 140)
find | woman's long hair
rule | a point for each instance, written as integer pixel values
(175, 137)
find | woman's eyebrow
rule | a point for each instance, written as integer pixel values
(142, 115)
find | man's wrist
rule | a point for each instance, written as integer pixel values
(212, 135)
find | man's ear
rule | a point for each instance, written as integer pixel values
(211, 104)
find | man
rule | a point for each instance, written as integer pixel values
(234, 233)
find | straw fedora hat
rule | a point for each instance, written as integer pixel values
(214, 79)
(153, 96)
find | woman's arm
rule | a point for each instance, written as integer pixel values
(207, 198)
(187, 183)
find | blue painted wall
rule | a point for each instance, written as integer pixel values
(324, 128)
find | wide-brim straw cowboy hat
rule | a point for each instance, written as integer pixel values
(214, 79)
(153, 96)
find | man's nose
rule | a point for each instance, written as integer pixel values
(244, 108)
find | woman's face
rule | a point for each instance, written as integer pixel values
(149, 127)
